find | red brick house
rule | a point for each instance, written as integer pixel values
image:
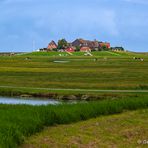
(85, 49)
(101, 44)
(85, 43)
(52, 45)
(70, 49)
(93, 45)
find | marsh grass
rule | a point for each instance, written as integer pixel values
(20, 121)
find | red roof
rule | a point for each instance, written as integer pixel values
(105, 44)
(52, 45)
(70, 49)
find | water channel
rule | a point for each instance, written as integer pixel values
(28, 101)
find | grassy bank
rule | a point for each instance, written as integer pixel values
(18, 121)
(100, 53)
(71, 94)
(128, 129)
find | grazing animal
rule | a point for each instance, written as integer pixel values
(28, 58)
(142, 59)
(136, 58)
(95, 59)
(105, 58)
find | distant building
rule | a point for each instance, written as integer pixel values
(93, 45)
(52, 45)
(85, 49)
(70, 49)
(101, 44)
(117, 49)
(85, 43)
(79, 45)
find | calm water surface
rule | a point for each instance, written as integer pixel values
(28, 101)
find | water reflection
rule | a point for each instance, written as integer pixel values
(28, 101)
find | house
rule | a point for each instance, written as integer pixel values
(52, 45)
(101, 44)
(85, 49)
(80, 43)
(70, 49)
(85, 43)
(94, 45)
(117, 49)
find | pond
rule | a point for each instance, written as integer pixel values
(27, 101)
(61, 61)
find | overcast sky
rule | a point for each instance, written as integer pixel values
(120, 22)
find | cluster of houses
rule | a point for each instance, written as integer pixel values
(79, 45)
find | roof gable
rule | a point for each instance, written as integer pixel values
(52, 45)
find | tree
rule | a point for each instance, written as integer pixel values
(62, 44)
(105, 48)
(77, 48)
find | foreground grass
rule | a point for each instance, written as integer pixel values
(128, 129)
(18, 121)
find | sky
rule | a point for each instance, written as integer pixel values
(26, 25)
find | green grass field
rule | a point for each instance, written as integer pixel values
(128, 129)
(48, 74)
(111, 70)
